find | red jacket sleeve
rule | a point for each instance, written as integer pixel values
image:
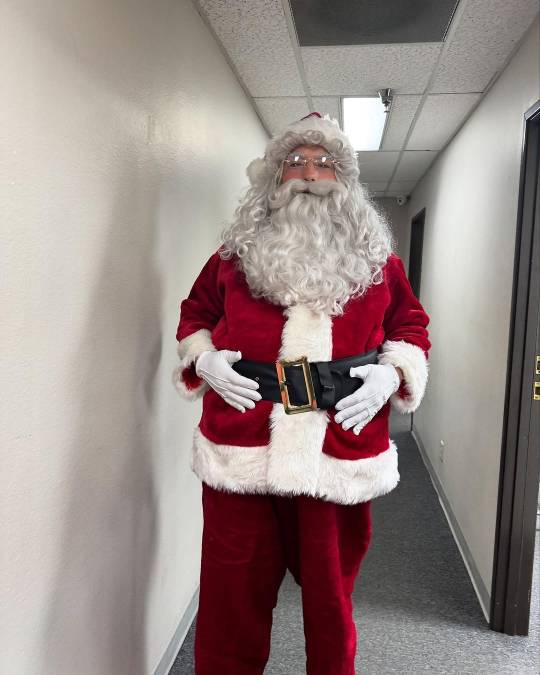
(199, 315)
(406, 344)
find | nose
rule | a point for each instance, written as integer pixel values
(310, 172)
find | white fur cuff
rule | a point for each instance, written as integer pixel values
(189, 349)
(412, 361)
(246, 470)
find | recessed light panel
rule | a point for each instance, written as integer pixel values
(363, 122)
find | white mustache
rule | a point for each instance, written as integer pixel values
(283, 194)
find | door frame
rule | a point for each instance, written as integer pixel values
(520, 454)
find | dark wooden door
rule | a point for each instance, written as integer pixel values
(520, 455)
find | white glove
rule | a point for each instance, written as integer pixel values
(236, 390)
(356, 410)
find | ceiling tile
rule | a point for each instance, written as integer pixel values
(279, 112)
(413, 164)
(484, 38)
(440, 117)
(375, 186)
(376, 166)
(355, 71)
(327, 105)
(401, 115)
(255, 35)
(402, 187)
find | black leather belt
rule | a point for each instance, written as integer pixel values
(302, 385)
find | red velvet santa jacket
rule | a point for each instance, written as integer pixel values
(266, 451)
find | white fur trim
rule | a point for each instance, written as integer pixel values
(244, 470)
(327, 126)
(255, 169)
(229, 467)
(412, 361)
(349, 481)
(296, 441)
(189, 349)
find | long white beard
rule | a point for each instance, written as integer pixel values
(308, 251)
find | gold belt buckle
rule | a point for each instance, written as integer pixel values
(291, 409)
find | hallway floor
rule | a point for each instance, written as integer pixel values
(415, 607)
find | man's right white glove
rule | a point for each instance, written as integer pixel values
(235, 389)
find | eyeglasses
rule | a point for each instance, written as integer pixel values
(299, 161)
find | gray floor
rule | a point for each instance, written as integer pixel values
(415, 607)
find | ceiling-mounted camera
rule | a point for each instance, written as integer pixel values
(386, 97)
(401, 200)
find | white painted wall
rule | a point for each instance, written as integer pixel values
(471, 200)
(124, 141)
(400, 222)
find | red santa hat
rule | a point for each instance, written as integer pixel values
(314, 129)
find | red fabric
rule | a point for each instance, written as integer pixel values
(221, 302)
(190, 378)
(249, 541)
(404, 317)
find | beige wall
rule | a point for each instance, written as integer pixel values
(124, 140)
(471, 198)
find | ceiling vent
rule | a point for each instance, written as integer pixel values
(320, 23)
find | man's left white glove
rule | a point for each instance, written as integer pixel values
(356, 410)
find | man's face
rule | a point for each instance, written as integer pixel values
(311, 171)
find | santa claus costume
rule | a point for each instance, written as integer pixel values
(293, 491)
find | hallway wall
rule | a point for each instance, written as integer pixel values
(471, 199)
(400, 223)
(124, 137)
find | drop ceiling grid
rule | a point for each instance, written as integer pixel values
(401, 114)
(413, 164)
(362, 70)
(402, 187)
(375, 186)
(481, 43)
(483, 34)
(439, 118)
(328, 105)
(255, 35)
(279, 111)
(376, 166)
(236, 24)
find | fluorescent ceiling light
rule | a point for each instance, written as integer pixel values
(363, 122)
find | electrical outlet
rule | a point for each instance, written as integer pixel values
(441, 451)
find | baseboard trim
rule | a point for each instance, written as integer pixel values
(179, 636)
(476, 580)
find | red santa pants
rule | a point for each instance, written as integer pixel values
(249, 541)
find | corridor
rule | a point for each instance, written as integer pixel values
(324, 148)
